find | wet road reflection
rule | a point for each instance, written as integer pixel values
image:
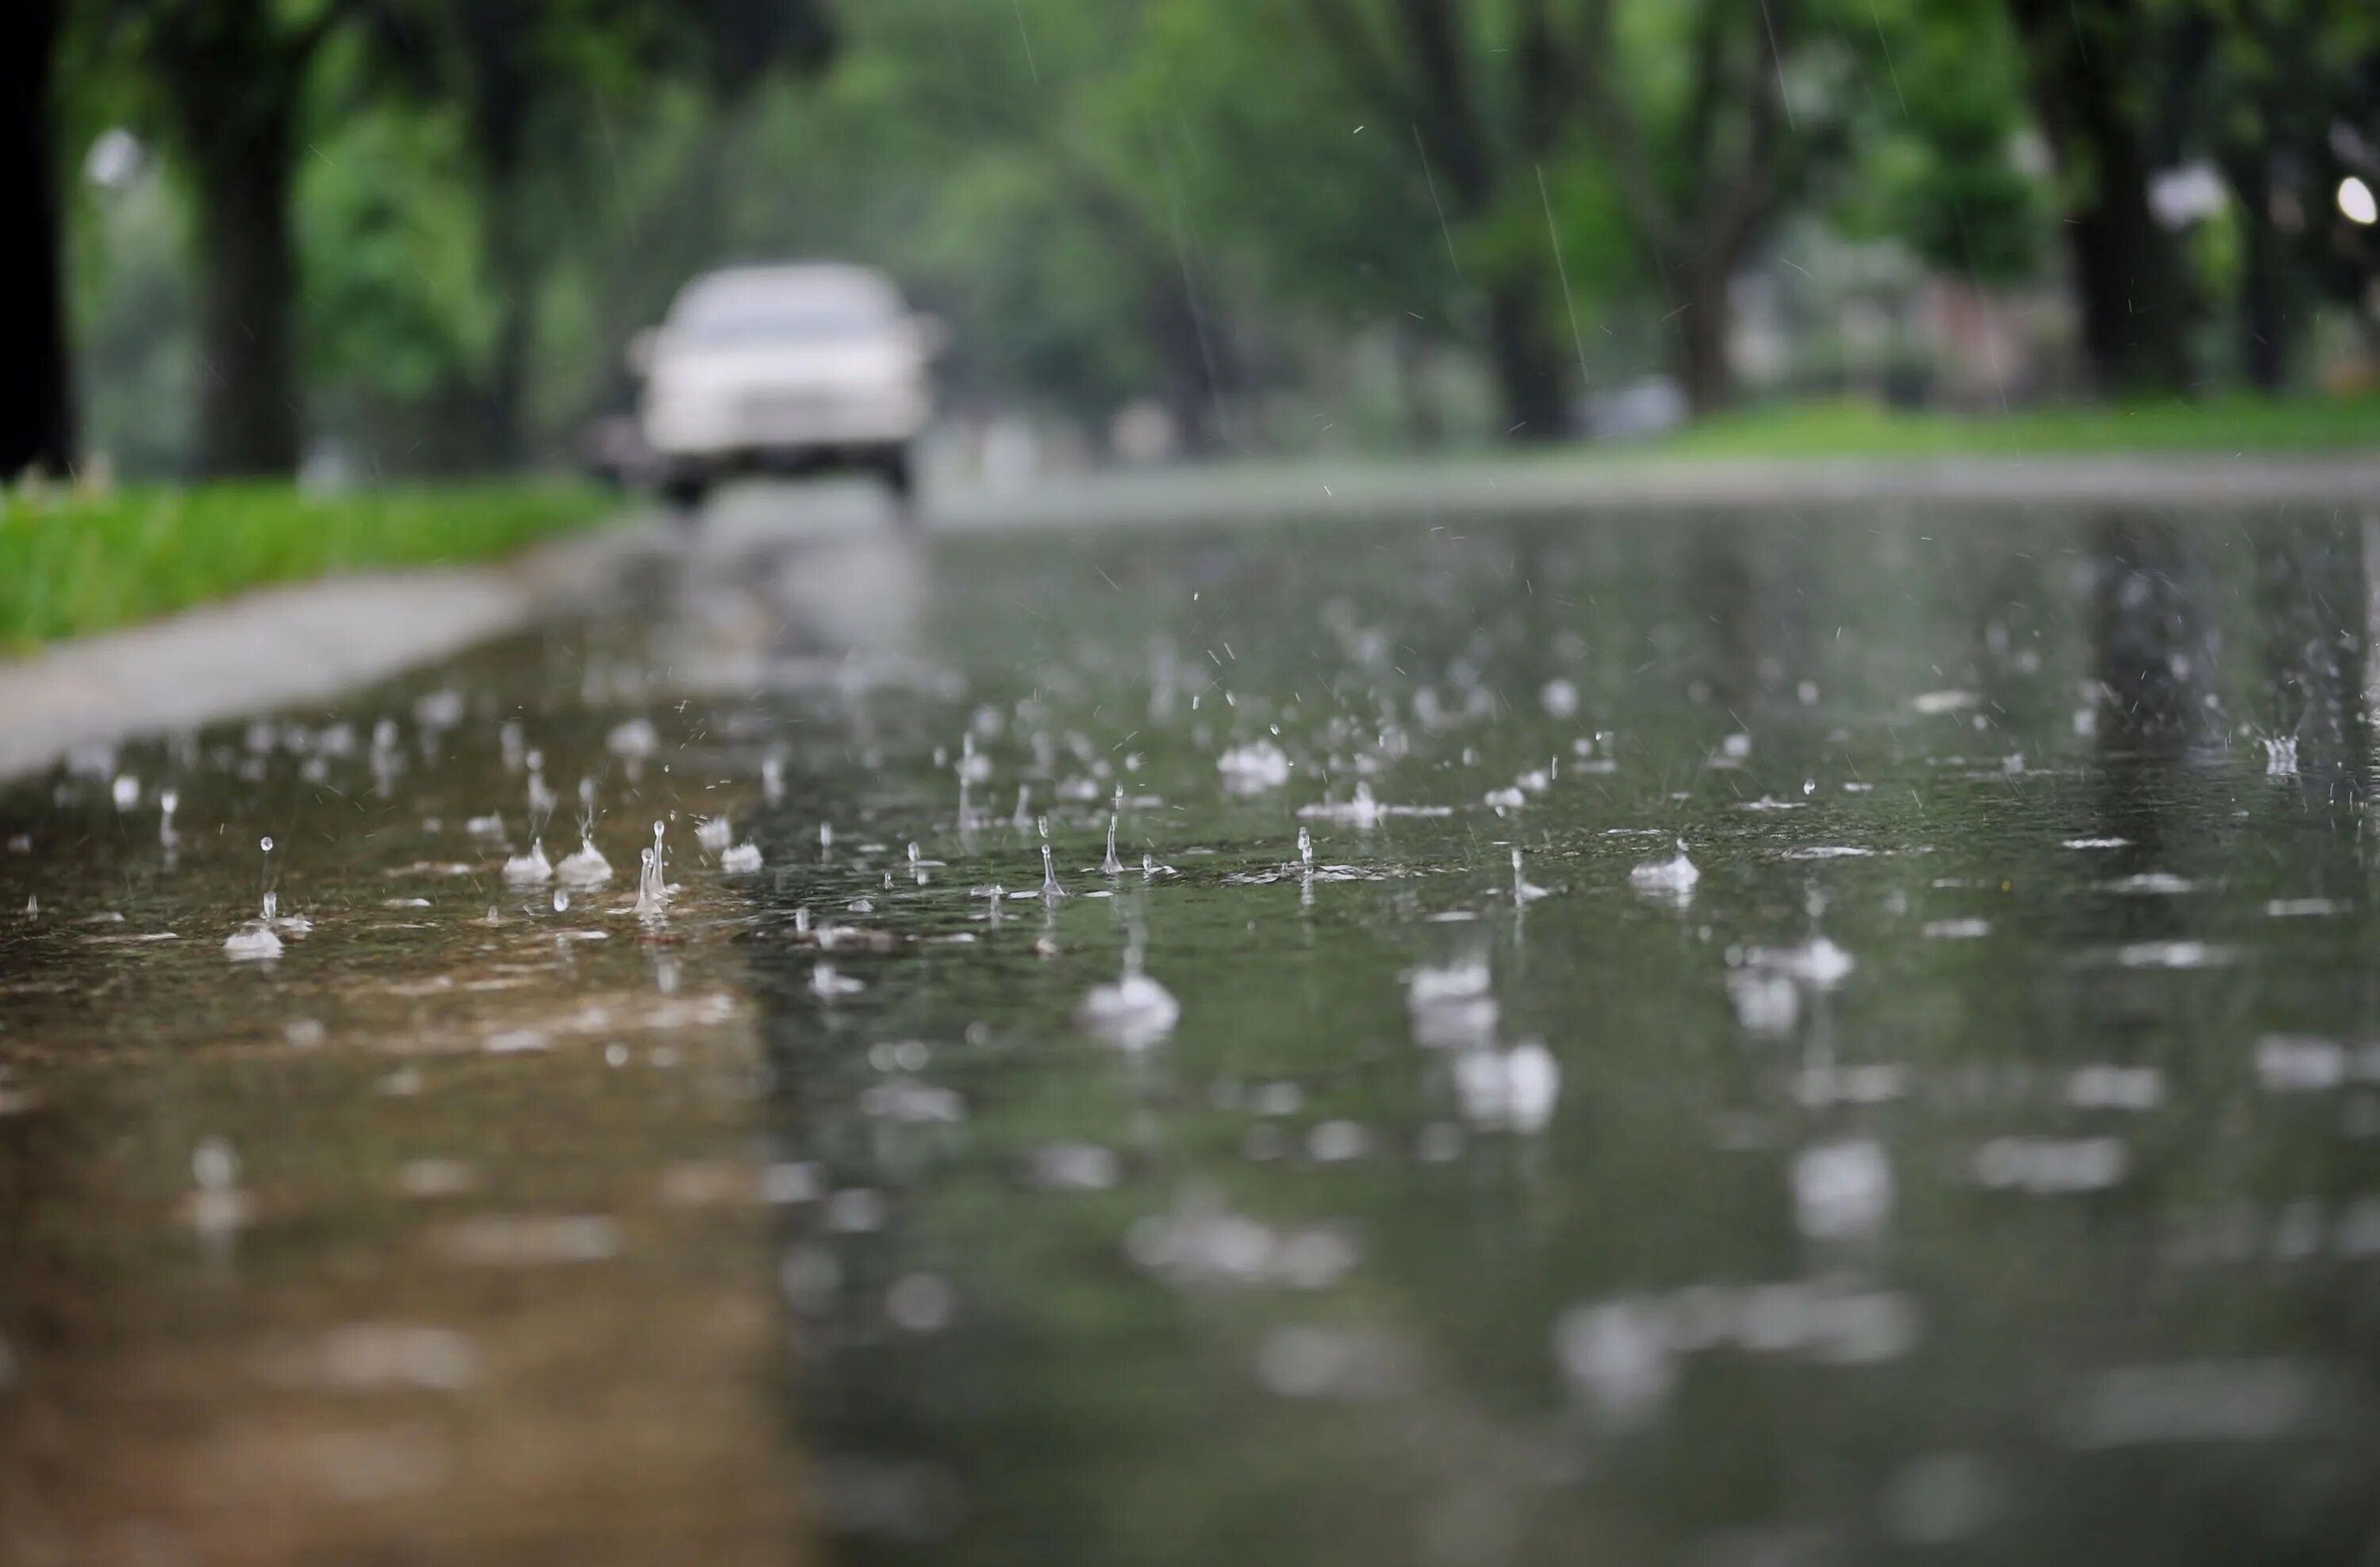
(1196, 1072)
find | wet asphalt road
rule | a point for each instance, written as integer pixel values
(1972, 1159)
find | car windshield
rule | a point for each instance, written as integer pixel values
(759, 314)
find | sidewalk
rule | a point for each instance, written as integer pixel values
(306, 641)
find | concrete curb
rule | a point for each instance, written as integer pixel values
(1599, 485)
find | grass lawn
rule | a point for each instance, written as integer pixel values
(71, 565)
(2215, 426)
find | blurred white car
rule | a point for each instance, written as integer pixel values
(784, 370)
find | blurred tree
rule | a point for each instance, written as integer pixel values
(1681, 107)
(531, 76)
(1329, 213)
(36, 402)
(1011, 158)
(2277, 90)
(2344, 253)
(1941, 144)
(229, 83)
(1689, 120)
(1487, 99)
(227, 80)
(397, 321)
(2101, 75)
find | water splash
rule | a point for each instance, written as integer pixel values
(541, 798)
(1843, 1191)
(1361, 811)
(1251, 769)
(1113, 865)
(1451, 1006)
(1049, 888)
(653, 890)
(253, 941)
(531, 870)
(1305, 850)
(1524, 892)
(588, 868)
(1817, 963)
(1673, 879)
(256, 939)
(1512, 1091)
(972, 767)
(1133, 1013)
(826, 983)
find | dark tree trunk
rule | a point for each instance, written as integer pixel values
(2084, 61)
(1528, 369)
(1705, 317)
(1425, 426)
(241, 134)
(1190, 361)
(2263, 306)
(496, 34)
(513, 273)
(36, 398)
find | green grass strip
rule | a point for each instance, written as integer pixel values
(71, 565)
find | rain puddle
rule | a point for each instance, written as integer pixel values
(1755, 1041)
